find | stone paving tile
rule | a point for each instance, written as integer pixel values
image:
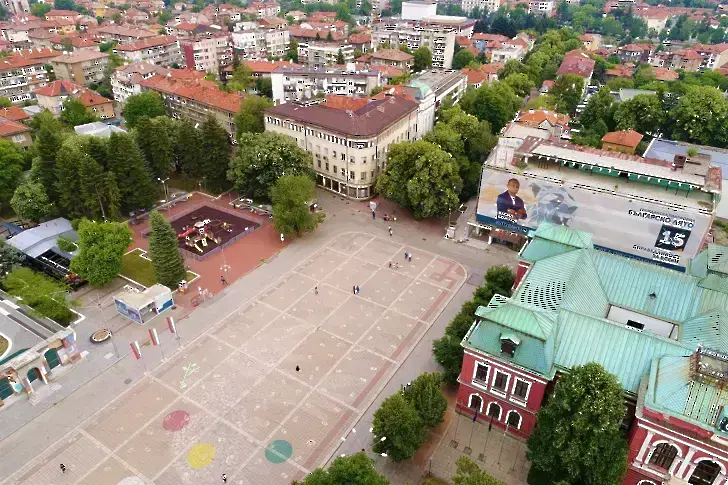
(422, 300)
(276, 340)
(79, 453)
(352, 272)
(150, 451)
(385, 286)
(393, 335)
(287, 291)
(314, 357)
(358, 377)
(260, 471)
(221, 449)
(245, 323)
(267, 405)
(125, 416)
(314, 308)
(380, 251)
(183, 370)
(111, 471)
(228, 383)
(353, 318)
(350, 243)
(444, 272)
(321, 264)
(420, 261)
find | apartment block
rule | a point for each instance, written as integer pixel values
(209, 52)
(126, 80)
(195, 100)
(542, 7)
(23, 72)
(81, 68)
(265, 9)
(322, 54)
(484, 5)
(163, 51)
(440, 41)
(122, 35)
(349, 138)
(261, 43)
(394, 58)
(301, 84)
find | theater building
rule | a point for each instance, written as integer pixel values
(662, 333)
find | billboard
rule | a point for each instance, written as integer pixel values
(632, 227)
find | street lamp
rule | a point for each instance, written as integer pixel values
(164, 183)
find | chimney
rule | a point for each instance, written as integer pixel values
(679, 161)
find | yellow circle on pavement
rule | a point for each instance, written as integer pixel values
(200, 456)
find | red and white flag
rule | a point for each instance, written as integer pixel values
(136, 349)
(172, 326)
(154, 336)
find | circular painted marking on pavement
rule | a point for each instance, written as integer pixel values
(200, 456)
(131, 481)
(278, 451)
(176, 420)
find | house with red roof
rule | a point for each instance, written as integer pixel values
(14, 113)
(54, 94)
(621, 141)
(663, 74)
(15, 132)
(578, 63)
(635, 52)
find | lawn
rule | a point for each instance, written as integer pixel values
(3, 345)
(139, 269)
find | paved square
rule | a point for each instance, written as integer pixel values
(233, 402)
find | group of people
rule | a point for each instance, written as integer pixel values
(407, 257)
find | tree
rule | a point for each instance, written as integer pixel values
(425, 394)
(188, 150)
(5, 102)
(643, 113)
(153, 140)
(423, 59)
(577, 435)
(40, 9)
(250, 117)
(148, 104)
(600, 107)
(264, 86)
(421, 177)
(215, 145)
(11, 170)
(242, 78)
(469, 473)
(462, 59)
(63, 4)
(169, 265)
(495, 103)
(262, 159)
(291, 196)
(520, 83)
(74, 113)
(567, 91)
(356, 469)
(30, 202)
(134, 181)
(100, 248)
(699, 116)
(401, 427)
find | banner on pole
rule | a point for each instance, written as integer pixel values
(154, 336)
(172, 326)
(136, 349)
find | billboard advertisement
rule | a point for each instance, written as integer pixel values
(639, 229)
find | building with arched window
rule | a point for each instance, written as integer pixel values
(662, 333)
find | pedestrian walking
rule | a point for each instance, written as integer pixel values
(390, 231)
(224, 478)
(353, 289)
(409, 257)
(357, 289)
(405, 255)
(298, 369)
(282, 238)
(390, 264)
(374, 216)
(315, 289)
(223, 281)
(396, 265)
(63, 468)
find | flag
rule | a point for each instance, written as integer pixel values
(171, 325)
(135, 348)
(490, 425)
(475, 416)
(154, 336)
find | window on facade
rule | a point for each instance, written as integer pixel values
(319, 163)
(705, 473)
(663, 456)
(481, 373)
(475, 402)
(494, 410)
(514, 419)
(363, 176)
(336, 169)
(521, 389)
(508, 347)
(501, 381)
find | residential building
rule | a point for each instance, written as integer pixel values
(635, 52)
(261, 43)
(592, 42)
(126, 80)
(122, 35)
(349, 142)
(16, 7)
(361, 41)
(579, 63)
(440, 41)
(542, 7)
(195, 100)
(555, 124)
(52, 96)
(14, 113)
(506, 52)
(76, 42)
(429, 89)
(209, 52)
(486, 74)
(302, 34)
(663, 74)
(484, 5)
(625, 71)
(163, 51)
(685, 59)
(273, 23)
(15, 132)
(714, 55)
(22, 72)
(98, 129)
(393, 57)
(266, 9)
(266, 68)
(302, 84)
(621, 141)
(418, 9)
(62, 15)
(387, 73)
(81, 68)
(323, 54)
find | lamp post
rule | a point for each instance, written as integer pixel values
(164, 184)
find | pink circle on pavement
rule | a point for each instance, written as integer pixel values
(176, 420)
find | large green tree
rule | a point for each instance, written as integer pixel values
(356, 469)
(468, 472)
(241, 79)
(425, 394)
(188, 150)
(250, 117)
(462, 59)
(643, 113)
(577, 436)
(600, 107)
(700, 116)
(567, 91)
(421, 177)
(397, 430)
(291, 196)
(134, 181)
(520, 83)
(423, 59)
(11, 170)
(215, 145)
(169, 265)
(30, 202)
(153, 138)
(147, 104)
(100, 248)
(75, 113)
(262, 159)
(495, 103)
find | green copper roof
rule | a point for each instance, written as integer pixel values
(539, 249)
(709, 329)
(562, 234)
(718, 258)
(525, 319)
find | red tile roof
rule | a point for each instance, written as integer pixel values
(62, 13)
(90, 98)
(9, 127)
(576, 62)
(352, 103)
(392, 55)
(59, 88)
(76, 41)
(387, 71)
(475, 76)
(629, 138)
(360, 38)
(14, 113)
(538, 116)
(147, 43)
(296, 31)
(27, 58)
(267, 66)
(662, 74)
(492, 68)
(689, 54)
(489, 37)
(202, 91)
(637, 47)
(463, 40)
(620, 70)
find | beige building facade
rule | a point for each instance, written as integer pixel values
(81, 68)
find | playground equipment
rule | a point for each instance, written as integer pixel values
(202, 232)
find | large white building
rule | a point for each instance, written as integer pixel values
(291, 84)
(261, 43)
(163, 51)
(419, 9)
(322, 54)
(483, 5)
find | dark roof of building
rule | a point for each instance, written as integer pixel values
(368, 120)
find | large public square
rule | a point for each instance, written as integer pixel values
(265, 394)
